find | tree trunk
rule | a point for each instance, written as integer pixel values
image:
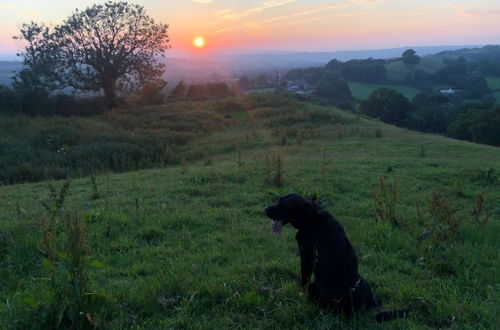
(110, 93)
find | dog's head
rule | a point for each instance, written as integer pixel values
(293, 209)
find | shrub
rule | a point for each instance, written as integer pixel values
(441, 226)
(387, 105)
(386, 201)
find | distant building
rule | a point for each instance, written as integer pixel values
(296, 85)
(449, 91)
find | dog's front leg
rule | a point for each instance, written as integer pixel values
(306, 251)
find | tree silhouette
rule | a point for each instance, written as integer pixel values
(113, 48)
(410, 57)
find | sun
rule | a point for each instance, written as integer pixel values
(199, 42)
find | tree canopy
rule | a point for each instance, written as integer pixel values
(387, 105)
(410, 57)
(112, 47)
(334, 88)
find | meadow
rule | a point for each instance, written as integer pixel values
(493, 82)
(186, 245)
(363, 91)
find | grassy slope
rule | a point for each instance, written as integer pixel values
(363, 90)
(194, 250)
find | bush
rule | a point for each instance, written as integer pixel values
(477, 125)
(387, 105)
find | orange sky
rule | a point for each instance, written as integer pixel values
(300, 25)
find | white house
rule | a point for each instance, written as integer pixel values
(448, 91)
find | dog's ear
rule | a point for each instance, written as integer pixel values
(309, 211)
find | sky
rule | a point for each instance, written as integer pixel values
(288, 25)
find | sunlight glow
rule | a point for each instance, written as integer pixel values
(199, 42)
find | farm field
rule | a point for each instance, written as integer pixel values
(362, 91)
(187, 245)
(493, 83)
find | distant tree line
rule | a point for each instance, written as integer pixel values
(366, 70)
(433, 113)
(457, 74)
(213, 90)
(259, 81)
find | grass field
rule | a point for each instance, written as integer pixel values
(362, 91)
(496, 95)
(188, 246)
(493, 83)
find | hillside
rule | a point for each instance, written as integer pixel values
(188, 246)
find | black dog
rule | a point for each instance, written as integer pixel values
(325, 251)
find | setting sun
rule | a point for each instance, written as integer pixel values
(199, 42)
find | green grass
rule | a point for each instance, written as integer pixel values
(496, 95)
(190, 248)
(363, 90)
(493, 83)
(397, 71)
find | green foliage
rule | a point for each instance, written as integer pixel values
(111, 47)
(480, 211)
(311, 76)
(368, 70)
(386, 200)
(9, 102)
(209, 91)
(33, 149)
(410, 57)
(441, 226)
(432, 113)
(179, 90)
(27, 99)
(387, 105)
(336, 89)
(95, 191)
(477, 125)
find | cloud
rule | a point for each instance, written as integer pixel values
(7, 6)
(203, 1)
(231, 14)
(285, 17)
(477, 12)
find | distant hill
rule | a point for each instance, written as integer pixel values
(7, 70)
(472, 54)
(232, 65)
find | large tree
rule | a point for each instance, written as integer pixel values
(387, 105)
(113, 48)
(410, 57)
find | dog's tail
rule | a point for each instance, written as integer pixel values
(391, 315)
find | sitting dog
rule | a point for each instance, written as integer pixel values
(325, 251)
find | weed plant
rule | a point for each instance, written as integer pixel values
(386, 200)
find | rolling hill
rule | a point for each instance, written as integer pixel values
(188, 246)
